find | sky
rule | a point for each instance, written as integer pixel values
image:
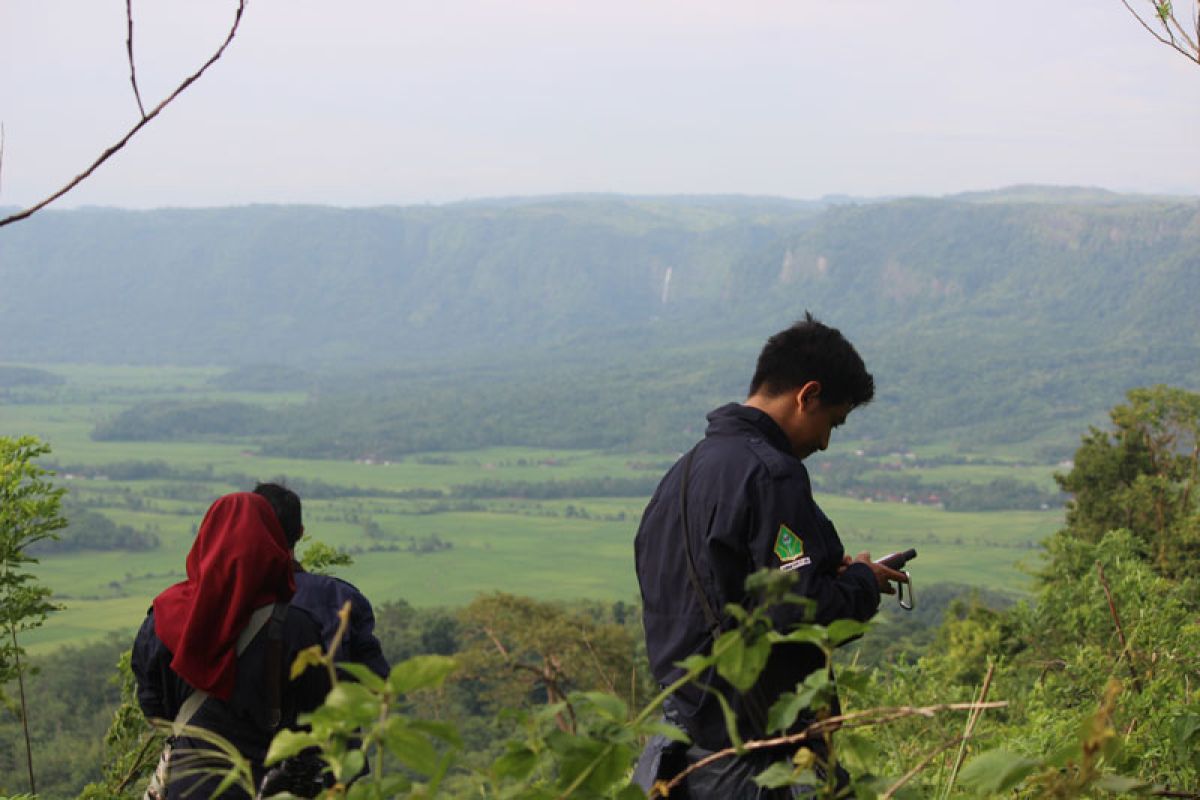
(373, 102)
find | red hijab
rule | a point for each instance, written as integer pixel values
(239, 562)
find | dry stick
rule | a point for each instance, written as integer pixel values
(115, 148)
(924, 762)
(1168, 42)
(136, 766)
(544, 674)
(972, 719)
(870, 716)
(612, 687)
(24, 710)
(1174, 21)
(129, 48)
(1112, 608)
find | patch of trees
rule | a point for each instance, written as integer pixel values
(180, 420)
(12, 377)
(1000, 494)
(88, 530)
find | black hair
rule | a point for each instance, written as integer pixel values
(286, 505)
(812, 351)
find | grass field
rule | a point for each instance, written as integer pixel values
(565, 548)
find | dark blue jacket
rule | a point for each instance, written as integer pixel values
(750, 506)
(243, 719)
(323, 596)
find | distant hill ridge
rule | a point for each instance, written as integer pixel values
(328, 284)
(1031, 306)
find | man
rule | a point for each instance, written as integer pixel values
(324, 595)
(741, 501)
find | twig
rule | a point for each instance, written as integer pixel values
(1192, 54)
(136, 766)
(145, 120)
(870, 716)
(24, 708)
(924, 762)
(137, 94)
(599, 667)
(1112, 608)
(970, 730)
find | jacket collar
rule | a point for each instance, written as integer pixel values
(735, 419)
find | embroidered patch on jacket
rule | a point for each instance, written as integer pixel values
(788, 545)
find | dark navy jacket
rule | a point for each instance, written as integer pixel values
(323, 596)
(749, 500)
(242, 719)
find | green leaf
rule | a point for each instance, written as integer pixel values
(996, 771)
(420, 672)
(288, 743)
(364, 675)
(410, 747)
(731, 723)
(842, 630)
(666, 730)
(352, 765)
(784, 711)
(741, 662)
(517, 763)
(695, 663)
(805, 634)
(439, 730)
(776, 776)
(816, 689)
(355, 702)
(308, 657)
(857, 752)
(607, 705)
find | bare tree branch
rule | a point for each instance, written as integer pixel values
(972, 719)
(145, 120)
(920, 765)
(1163, 13)
(870, 716)
(137, 94)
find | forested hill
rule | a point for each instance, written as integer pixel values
(999, 313)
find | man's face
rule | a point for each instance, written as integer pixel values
(813, 424)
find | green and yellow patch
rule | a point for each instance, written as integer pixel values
(788, 546)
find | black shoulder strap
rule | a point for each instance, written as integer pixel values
(274, 665)
(753, 697)
(710, 616)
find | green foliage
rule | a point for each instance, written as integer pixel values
(29, 514)
(131, 747)
(317, 557)
(1144, 477)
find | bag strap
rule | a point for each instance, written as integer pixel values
(754, 701)
(193, 701)
(274, 665)
(710, 616)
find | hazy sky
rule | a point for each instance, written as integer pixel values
(363, 102)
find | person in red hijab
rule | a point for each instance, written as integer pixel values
(240, 562)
